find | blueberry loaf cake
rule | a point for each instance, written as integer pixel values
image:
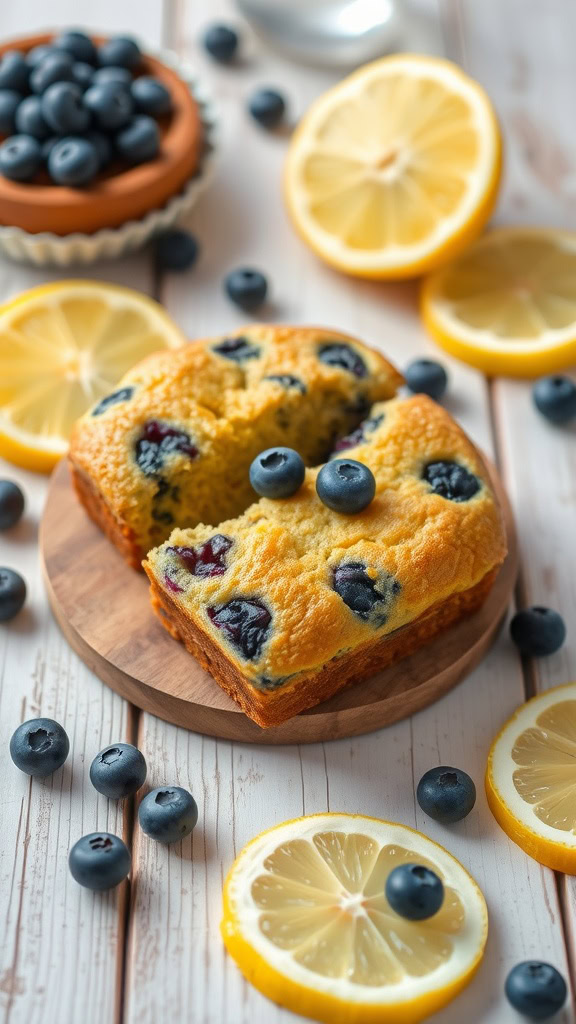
(289, 601)
(172, 446)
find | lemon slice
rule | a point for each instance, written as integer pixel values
(395, 169)
(531, 778)
(63, 346)
(508, 305)
(307, 922)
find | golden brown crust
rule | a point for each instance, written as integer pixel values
(121, 535)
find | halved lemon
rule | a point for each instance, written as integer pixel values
(62, 347)
(508, 305)
(531, 778)
(307, 921)
(395, 169)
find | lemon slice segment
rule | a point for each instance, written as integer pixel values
(395, 169)
(63, 346)
(508, 305)
(307, 921)
(531, 778)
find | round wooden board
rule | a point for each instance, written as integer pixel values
(103, 609)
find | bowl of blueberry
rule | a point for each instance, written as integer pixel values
(101, 146)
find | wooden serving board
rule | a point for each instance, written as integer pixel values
(103, 609)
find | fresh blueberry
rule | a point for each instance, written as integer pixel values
(358, 436)
(427, 377)
(11, 504)
(369, 597)
(139, 140)
(118, 771)
(151, 96)
(287, 381)
(346, 486)
(168, 814)
(30, 120)
(63, 108)
(122, 395)
(99, 861)
(73, 161)
(238, 350)
(12, 594)
(446, 794)
(277, 473)
(102, 145)
(37, 54)
(10, 100)
(535, 989)
(110, 104)
(221, 42)
(245, 622)
(538, 631)
(14, 72)
(56, 67)
(205, 560)
(83, 74)
(414, 892)
(39, 747)
(267, 106)
(247, 288)
(122, 76)
(176, 250)
(77, 44)
(20, 157)
(120, 51)
(159, 440)
(451, 481)
(337, 353)
(555, 398)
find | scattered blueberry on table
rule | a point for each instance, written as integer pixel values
(168, 814)
(535, 989)
(446, 794)
(118, 771)
(267, 107)
(555, 398)
(99, 861)
(221, 42)
(346, 486)
(12, 594)
(247, 288)
(414, 891)
(176, 250)
(538, 631)
(11, 504)
(277, 473)
(39, 747)
(426, 377)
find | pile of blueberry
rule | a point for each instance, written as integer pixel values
(101, 860)
(71, 107)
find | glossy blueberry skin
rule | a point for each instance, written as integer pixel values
(246, 287)
(30, 119)
(83, 74)
(119, 75)
(277, 473)
(77, 44)
(120, 51)
(37, 54)
(414, 892)
(151, 96)
(56, 67)
(176, 250)
(555, 398)
(267, 107)
(139, 141)
(168, 814)
(110, 104)
(538, 631)
(20, 157)
(73, 161)
(10, 100)
(535, 989)
(39, 747)
(118, 771)
(221, 42)
(446, 794)
(14, 72)
(12, 594)
(99, 861)
(345, 486)
(102, 145)
(426, 377)
(63, 109)
(11, 504)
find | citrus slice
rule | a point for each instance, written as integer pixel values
(63, 346)
(531, 778)
(508, 305)
(395, 169)
(307, 921)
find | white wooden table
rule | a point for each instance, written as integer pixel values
(154, 954)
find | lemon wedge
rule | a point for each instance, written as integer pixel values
(307, 921)
(395, 169)
(531, 778)
(508, 305)
(63, 346)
